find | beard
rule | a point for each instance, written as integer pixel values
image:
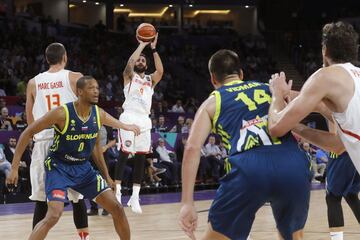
(139, 69)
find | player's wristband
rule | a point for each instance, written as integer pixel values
(154, 50)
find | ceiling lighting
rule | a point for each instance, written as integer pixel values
(122, 10)
(121, 5)
(247, 6)
(190, 5)
(170, 5)
(151, 14)
(218, 12)
(84, 1)
(72, 5)
(97, 3)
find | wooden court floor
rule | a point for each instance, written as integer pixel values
(160, 222)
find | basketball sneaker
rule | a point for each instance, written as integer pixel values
(135, 205)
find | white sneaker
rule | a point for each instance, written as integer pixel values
(118, 197)
(135, 205)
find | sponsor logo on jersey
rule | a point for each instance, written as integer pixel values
(76, 137)
(60, 194)
(84, 128)
(128, 143)
(72, 122)
(72, 129)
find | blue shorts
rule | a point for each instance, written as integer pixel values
(276, 174)
(341, 176)
(80, 177)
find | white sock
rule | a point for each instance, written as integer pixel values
(136, 191)
(337, 235)
(118, 192)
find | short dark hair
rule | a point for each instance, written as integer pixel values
(81, 82)
(341, 42)
(223, 63)
(54, 53)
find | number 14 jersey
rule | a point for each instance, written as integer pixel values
(241, 117)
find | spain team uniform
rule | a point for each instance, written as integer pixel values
(138, 97)
(341, 175)
(260, 168)
(67, 165)
(52, 90)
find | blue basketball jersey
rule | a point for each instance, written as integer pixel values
(241, 117)
(75, 143)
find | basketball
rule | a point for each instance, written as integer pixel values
(145, 32)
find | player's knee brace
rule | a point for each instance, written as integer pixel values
(334, 209)
(139, 167)
(79, 214)
(354, 203)
(120, 165)
(39, 212)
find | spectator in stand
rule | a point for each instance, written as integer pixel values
(153, 124)
(5, 121)
(191, 105)
(153, 170)
(213, 158)
(168, 161)
(5, 165)
(158, 96)
(321, 161)
(160, 108)
(187, 126)
(161, 126)
(21, 124)
(2, 92)
(178, 108)
(2, 103)
(179, 125)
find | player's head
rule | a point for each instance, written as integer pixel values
(87, 89)
(55, 54)
(339, 43)
(141, 64)
(224, 64)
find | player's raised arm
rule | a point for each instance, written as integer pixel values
(99, 160)
(56, 116)
(129, 69)
(30, 98)
(282, 117)
(198, 134)
(157, 75)
(108, 120)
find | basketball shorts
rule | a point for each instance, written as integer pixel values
(37, 173)
(341, 176)
(277, 174)
(130, 143)
(82, 178)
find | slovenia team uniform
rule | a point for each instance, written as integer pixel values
(67, 165)
(260, 169)
(348, 121)
(341, 175)
(52, 90)
(138, 97)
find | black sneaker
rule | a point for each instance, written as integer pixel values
(93, 212)
(104, 212)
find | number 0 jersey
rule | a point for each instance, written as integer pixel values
(52, 90)
(241, 117)
(75, 142)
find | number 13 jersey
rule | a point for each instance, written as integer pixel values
(52, 90)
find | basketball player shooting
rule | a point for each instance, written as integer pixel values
(138, 91)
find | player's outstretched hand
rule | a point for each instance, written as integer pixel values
(133, 128)
(154, 42)
(188, 220)
(279, 86)
(12, 180)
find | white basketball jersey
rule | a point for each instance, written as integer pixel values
(138, 95)
(349, 120)
(52, 90)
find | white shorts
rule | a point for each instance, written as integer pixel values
(37, 173)
(130, 143)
